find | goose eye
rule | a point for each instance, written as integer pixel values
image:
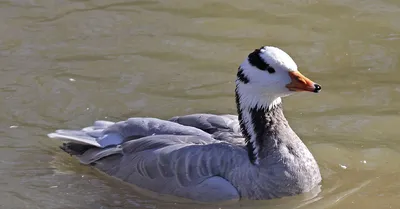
(270, 69)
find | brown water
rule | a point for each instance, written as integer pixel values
(66, 63)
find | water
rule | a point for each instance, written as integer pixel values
(67, 63)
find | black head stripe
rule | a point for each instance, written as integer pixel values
(258, 62)
(241, 76)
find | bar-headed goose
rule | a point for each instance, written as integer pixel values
(206, 157)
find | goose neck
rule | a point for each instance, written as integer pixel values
(257, 124)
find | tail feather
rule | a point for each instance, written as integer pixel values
(75, 149)
(78, 137)
(92, 135)
(88, 154)
(91, 143)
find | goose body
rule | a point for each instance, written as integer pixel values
(207, 157)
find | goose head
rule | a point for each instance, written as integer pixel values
(266, 75)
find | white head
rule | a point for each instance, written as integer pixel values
(268, 74)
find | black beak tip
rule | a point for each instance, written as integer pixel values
(317, 88)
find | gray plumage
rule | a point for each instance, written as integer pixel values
(187, 161)
(205, 157)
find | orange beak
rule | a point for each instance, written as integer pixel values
(302, 83)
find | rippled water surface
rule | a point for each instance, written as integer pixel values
(66, 63)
